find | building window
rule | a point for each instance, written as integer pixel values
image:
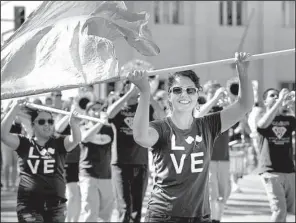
(168, 12)
(239, 12)
(221, 12)
(231, 13)
(156, 12)
(288, 13)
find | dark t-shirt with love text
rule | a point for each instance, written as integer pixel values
(42, 168)
(182, 159)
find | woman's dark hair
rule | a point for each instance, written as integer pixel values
(187, 73)
(34, 113)
(201, 100)
(232, 86)
(234, 89)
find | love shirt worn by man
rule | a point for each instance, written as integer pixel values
(182, 159)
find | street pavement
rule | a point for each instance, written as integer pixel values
(249, 206)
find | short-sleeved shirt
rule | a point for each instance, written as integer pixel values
(181, 159)
(95, 156)
(221, 148)
(276, 151)
(126, 150)
(42, 172)
(73, 155)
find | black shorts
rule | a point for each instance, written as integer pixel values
(72, 172)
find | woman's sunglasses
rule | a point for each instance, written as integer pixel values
(43, 121)
(179, 90)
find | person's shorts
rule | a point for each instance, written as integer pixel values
(72, 172)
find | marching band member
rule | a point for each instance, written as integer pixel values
(276, 165)
(219, 178)
(129, 160)
(41, 192)
(182, 145)
(97, 199)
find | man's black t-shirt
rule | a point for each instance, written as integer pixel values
(276, 152)
(221, 148)
(126, 150)
(42, 168)
(182, 159)
(95, 156)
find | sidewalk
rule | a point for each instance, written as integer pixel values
(249, 206)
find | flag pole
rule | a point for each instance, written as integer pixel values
(62, 112)
(166, 71)
(219, 62)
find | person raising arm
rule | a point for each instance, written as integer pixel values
(181, 144)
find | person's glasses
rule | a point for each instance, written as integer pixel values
(43, 121)
(179, 90)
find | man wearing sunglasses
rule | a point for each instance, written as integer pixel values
(276, 165)
(41, 192)
(219, 177)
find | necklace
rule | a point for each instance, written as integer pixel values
(43, 152)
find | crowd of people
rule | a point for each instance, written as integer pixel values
(192, 142)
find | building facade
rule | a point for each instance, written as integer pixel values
(190, 32)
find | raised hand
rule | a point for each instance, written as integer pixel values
(283, 94)
(73, 120)
(140, 79)
(241, 63)
(221, 96)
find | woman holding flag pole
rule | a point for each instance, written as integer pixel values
(41, 192)
(182, 145)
